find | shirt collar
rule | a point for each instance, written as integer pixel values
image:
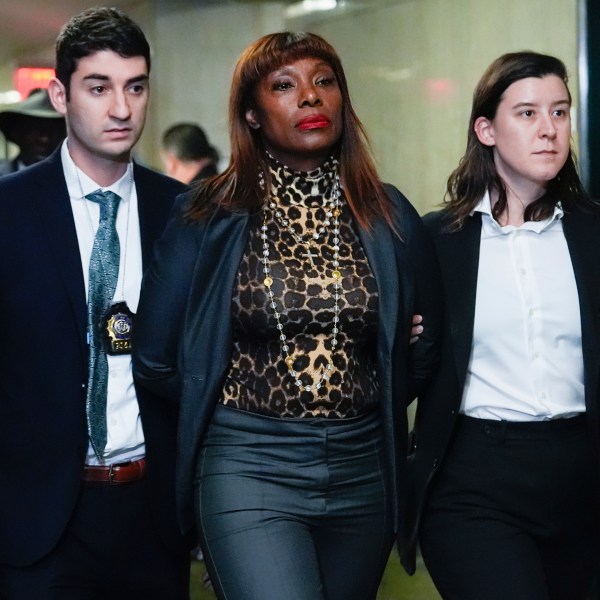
(79, 184)
(491, 227)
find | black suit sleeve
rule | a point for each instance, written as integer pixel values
(424, 355)
(163, 301)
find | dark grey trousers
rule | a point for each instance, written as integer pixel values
(292, 509)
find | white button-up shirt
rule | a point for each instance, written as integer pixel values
(526, 361)
(125, 438)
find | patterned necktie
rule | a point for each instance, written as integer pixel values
(103, 276)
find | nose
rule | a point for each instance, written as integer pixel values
(547, 127)
(310, 96)
(119, 108)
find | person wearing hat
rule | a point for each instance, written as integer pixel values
(186, 154)
(34, 126)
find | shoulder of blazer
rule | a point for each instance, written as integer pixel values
(42, 180)
(155, 183)
(404, 211)
(437, 221)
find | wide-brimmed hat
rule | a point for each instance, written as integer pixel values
(36, 105)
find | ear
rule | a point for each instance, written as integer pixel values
(484, 130)
(58, 96)
(169, 162)
(252, 119)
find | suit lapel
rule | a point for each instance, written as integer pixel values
(152, 223)
(379, 248)
(53, 208)
(581, 233)
(459, 255)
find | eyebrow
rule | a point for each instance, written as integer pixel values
(100, 77)
(284, 69)
(530, 104)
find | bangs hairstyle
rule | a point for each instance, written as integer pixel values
(477, 172)
(237, 188)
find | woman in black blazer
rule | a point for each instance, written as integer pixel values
(278, 313)
(505, 457)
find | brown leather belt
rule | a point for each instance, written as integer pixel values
(115, 474)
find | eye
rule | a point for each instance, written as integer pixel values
(560, 112)
(281, 85)
(327, 80)
(98, 89)
(138, 88)
(527, 113)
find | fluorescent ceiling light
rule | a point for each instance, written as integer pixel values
(305, 7)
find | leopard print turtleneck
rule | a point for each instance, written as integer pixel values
(259, 380)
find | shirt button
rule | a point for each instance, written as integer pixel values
(531, 312)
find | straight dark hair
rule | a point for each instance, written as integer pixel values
(93, 30)
(237, 188)
(477, 172)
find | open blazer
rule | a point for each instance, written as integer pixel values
(438, 408)
(44, 362)
(183, 339)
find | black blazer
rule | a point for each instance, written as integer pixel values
(43, 362)
(458, 253)
(183, 338)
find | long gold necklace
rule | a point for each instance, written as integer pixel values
(333, 214)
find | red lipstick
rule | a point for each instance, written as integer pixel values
(314, 122)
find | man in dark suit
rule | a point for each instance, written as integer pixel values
(86, 457)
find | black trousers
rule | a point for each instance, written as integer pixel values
(513, 514)
(110, 551)
(293, 509)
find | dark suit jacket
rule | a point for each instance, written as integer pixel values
(9, 166)
(438, 408)
(43, 362)
(184, 332)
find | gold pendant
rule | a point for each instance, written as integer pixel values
(337, 212)
(268, 281)
(289, 361)
(336, 275)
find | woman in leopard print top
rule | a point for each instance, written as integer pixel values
(277, 311)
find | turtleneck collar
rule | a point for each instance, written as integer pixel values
(307, 188)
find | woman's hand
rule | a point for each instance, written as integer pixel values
(417, 328)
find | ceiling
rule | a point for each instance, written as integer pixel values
(28, 28)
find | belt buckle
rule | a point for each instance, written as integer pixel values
(111, 475)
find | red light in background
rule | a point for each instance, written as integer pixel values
(28, 78)
(439, 91)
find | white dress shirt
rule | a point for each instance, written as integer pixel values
(125, 438)
(526, 361)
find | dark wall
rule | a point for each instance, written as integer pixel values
(591, 137)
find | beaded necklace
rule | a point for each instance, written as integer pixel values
(333, 212)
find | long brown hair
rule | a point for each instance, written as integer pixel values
(477, 172)
(237, 188)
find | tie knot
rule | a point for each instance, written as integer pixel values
(108, 201)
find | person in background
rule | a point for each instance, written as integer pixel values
(277, 313)
(505, 461)
(87, 458)
(186, 154)
(34, 126)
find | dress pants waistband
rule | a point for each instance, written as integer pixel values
(243, 420)
(519, 429)
(116, 474)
